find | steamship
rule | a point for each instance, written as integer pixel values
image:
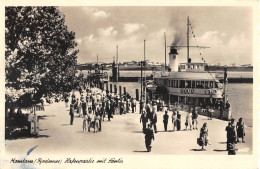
(189, 84)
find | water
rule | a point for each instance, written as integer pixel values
(239, 95)
(133, 73)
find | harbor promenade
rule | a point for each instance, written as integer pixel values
(122, 135)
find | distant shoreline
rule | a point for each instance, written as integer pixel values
(231, 69)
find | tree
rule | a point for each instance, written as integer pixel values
(40, 54)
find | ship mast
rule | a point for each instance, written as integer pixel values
(165, 52)
(188, 24)
(117, 66)
(144, 76)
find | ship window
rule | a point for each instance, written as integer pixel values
(193, 84)
(206, 84)
(182, 83)
(202, 84)
(188, 84)
(211, 84)
(216, 85)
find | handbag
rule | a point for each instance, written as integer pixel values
(199, 141)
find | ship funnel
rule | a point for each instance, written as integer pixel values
(173, 59)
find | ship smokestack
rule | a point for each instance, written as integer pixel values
(173, 59)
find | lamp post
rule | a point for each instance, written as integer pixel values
(141, 100)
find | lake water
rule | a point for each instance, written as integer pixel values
(239, 95)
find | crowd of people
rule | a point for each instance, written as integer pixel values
(234, 133)
(149, 119)
(94, 106)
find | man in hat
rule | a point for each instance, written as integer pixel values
(144, 120)
(148, 137)
(165, 120)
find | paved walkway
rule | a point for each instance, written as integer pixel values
(122, 135)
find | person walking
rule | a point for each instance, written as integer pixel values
(188, 121)
(178, 121)
(100, 120)
(231, 135)
(66, 100)
(209, 111)
(84, 110)
(194, 119)
(154, 121)
(158, 104)
(154, 111)
(89, 119)
(121, 107)
(203, 140)
(148, 137)
(174, 120)
(108, 110)
(221, 109)
(144, 120)
(165, 120)
(71, 114)
(132, 105)
(93, 105)
(148, 110)
(127, 105)
(240, 130)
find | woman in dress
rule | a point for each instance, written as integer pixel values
(203, 136)
(240, 130)
(178, 121)
(174, 120)
(188, 120)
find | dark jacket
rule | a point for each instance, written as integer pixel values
(165, 118)
(149, 133)
(144, 118)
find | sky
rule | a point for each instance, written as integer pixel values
(228, 31)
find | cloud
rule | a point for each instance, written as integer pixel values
(130, 28)
(234, 49)
(98, 14)
(109, 31)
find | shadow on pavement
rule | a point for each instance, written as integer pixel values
(65, 124)
(222, 142)
(219, 150)
(137, 151)
(196, 149)
(137, 131)
(19, 137)
(164, 131)
(44, 116)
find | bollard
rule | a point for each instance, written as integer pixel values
(124, 91)
(120, 91)
(107, 87)
(103, 86)
(111, 88)
(137, 94)
(115, 89)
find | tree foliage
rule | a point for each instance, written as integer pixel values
(40, 52)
